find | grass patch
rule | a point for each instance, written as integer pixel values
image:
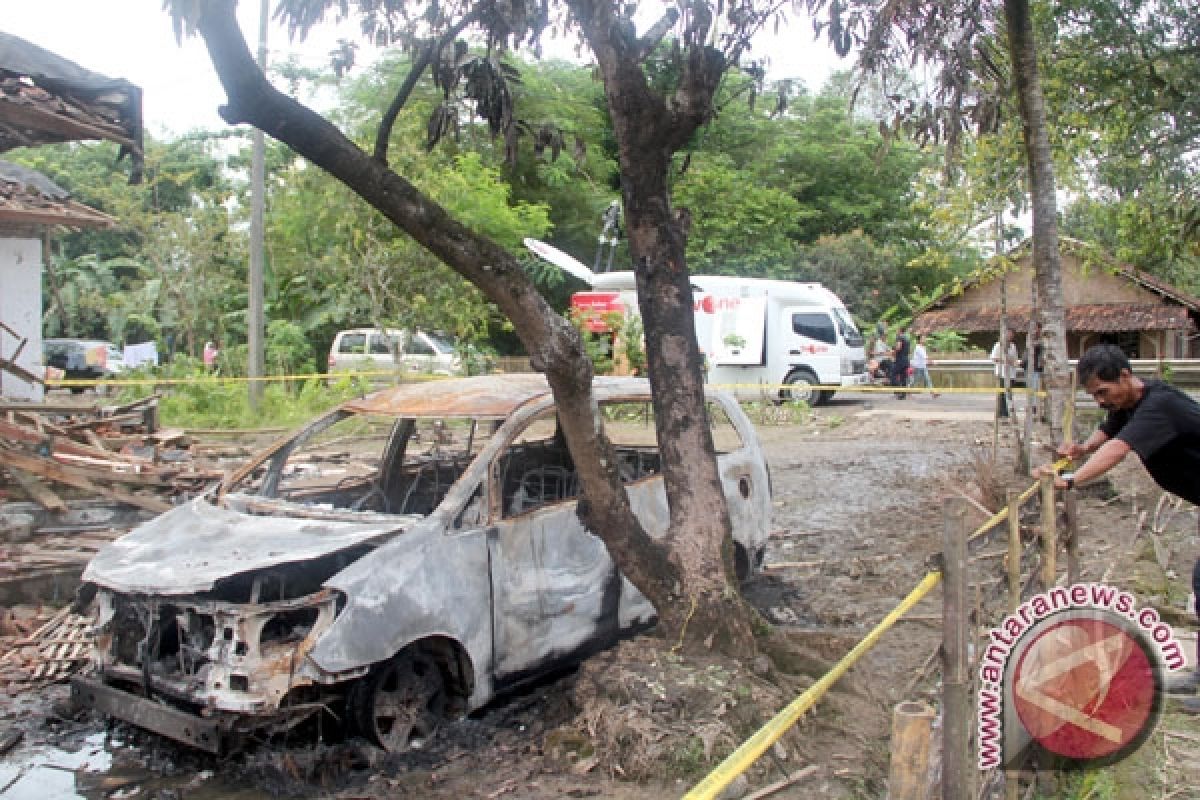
(208, 401)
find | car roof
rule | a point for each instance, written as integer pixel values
(485, 396)
(388, 331)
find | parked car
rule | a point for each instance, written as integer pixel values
(384, 351)
(406, 555)
(83, 359)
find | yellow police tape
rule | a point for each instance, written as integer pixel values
(741, 759)
(198, 380)
(410, 377)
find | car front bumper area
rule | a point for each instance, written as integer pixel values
(206, 672)
(210, 735)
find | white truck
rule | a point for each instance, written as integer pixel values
(753, 332)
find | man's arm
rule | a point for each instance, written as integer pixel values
(1107, 456)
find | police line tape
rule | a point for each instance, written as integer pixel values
(740, 760)
(418, 377)
(744, 756)
(200, 380)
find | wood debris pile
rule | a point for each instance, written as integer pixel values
(41, 646)
(52, 552)
(116, 453)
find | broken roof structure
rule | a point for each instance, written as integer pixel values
(29, 197)
(44, 99)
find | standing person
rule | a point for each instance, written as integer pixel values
(1033, 366)
(900, 358)
(210, 356)
(920, 365)
(881, 360)
(1156, 421)
(1005, 358)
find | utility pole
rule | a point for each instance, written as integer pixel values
(254, 319)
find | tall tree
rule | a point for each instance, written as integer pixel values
(966, 41)
(688, 575)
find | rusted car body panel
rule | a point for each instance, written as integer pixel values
(255, 610)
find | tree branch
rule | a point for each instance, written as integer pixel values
(410, 82)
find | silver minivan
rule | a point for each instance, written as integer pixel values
(400, 559)
(374, 350)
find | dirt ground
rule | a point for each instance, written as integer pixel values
(859, 492)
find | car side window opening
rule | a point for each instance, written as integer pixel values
(380, 345)
(815, 325)
(416, 346)
(353, 343)
(536, 469)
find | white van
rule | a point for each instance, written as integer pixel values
(752, 332)
(382, 351)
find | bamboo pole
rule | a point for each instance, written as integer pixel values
(1049, 533)
(956, 766)
(909, 773)
(1012, 776)
(1071, 506)
(1014, 549)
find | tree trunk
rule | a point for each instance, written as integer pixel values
(647, 134)
(554, 347)
(1046, 261)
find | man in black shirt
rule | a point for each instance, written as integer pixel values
(1156, 421)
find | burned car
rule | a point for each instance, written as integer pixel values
(403, 557)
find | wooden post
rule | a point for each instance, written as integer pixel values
(956, 731)
(1071, 507)
(1014, 551)
(1049, 533)
(909, 775)
(1012, 776)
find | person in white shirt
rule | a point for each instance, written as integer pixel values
(920, 365)
(1006, 360)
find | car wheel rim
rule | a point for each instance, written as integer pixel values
(800, 389)
(406, 704)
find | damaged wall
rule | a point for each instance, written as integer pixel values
(21, 310)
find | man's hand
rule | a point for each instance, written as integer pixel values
(1071, 450)
(1050, 469)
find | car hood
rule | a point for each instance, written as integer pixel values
(189, 548)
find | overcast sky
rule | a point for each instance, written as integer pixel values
(180, 89)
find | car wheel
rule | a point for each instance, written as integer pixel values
(399, 704)
(800, 387)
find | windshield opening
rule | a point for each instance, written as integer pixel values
(846, 325)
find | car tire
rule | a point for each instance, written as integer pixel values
(741, 563)
(803, 380)
(399, 704)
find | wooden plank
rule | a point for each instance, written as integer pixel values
(48, 408)
(39, 492)
(94, 439)
(134, 405)
(113, 421)
(15, 432)
(59, 473)
(956, 767)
